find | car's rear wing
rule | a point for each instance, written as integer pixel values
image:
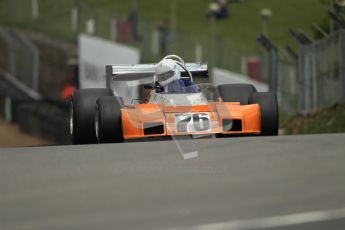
(140, 71)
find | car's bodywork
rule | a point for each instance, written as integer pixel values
(153, 118)
(149, 120)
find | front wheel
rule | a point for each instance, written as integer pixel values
(82, 114)
(269, 112)
(108, 120)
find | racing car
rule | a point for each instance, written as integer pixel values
(135, 105)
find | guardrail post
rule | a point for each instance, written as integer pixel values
(305, 70)
(273, 62)
(8, 109)
(273, 70)
(342, 64)
(10, 9)
(35, 59)
(10, 58)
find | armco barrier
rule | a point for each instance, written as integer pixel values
(54, 122)
(10, 97)
(2, 106)
(46, 119)
(27, 118)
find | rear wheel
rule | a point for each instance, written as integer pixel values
(82, 114)
(108, 120)
(236, 92)
(269, 112)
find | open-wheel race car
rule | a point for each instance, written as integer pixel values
(162, 100)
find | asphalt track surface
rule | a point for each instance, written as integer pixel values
(276, 183)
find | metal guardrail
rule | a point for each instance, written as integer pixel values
(20, 101)
(321, 72)
(10, 58)
(30, 93)
(33, 114)
(22, 57)
(35, 55)
(315, 77)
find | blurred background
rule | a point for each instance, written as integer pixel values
(49, 48)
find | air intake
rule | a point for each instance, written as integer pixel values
(153, 128)
(232, 125)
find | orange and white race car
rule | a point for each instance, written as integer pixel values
(136, 104)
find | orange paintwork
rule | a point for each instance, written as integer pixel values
(134, 117)
(249, 114)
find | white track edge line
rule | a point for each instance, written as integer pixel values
(270, 222)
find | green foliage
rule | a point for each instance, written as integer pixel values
(330, 120)
(232, 39)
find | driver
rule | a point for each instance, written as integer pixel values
(168, 76)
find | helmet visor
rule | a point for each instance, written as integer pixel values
(165, 76)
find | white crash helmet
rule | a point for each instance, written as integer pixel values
(167, 71)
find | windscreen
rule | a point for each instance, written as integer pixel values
(131, 88)
(179, 99)
(200, 94)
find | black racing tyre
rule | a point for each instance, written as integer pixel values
(269, 112)
(236, 92)
(108, 120)
(82, 114)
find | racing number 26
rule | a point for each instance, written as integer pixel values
(192, 122)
